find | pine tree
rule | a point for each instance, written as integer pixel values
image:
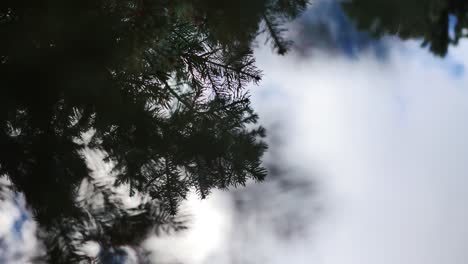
(427, 20)
(158, 86)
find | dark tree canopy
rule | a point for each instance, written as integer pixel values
(156, 85)
(409, 19)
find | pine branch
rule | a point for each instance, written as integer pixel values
(255, 77)
(278, 42)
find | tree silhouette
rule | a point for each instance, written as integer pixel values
(425, 19)
(158, 86)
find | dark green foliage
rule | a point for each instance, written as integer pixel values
(275, 16)
(424, 19)
(160, 86)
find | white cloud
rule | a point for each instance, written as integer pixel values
(208, 221)
(18, 243)
(390, 140)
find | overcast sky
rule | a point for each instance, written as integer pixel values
(369, 155)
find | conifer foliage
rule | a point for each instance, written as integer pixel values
(439, 23)
(158, 86)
